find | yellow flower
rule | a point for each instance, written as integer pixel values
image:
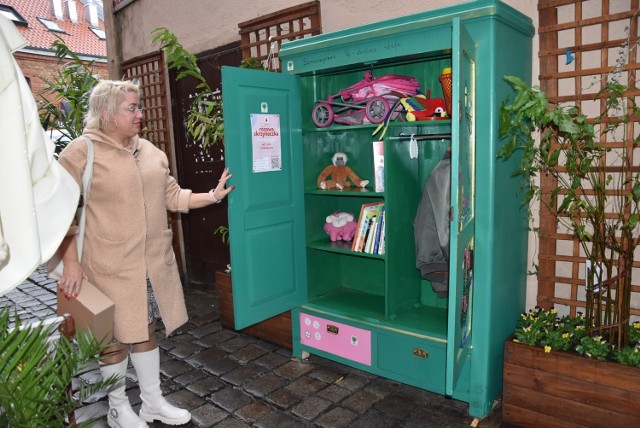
(547, 349)
(636, 325)
(565, 335)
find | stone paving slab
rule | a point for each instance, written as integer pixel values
(229, 379)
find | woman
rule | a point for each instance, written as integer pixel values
(127, 249)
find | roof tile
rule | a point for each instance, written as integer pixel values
(78, 37)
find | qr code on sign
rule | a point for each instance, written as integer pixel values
(275, 162)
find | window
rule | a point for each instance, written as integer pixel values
(98, 5)
(13, 15)
(51, 25)
(98, 32)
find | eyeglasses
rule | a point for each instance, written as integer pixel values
(134, 108)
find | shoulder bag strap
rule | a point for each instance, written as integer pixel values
(86, 185)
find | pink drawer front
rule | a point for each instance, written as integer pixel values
(336, 338)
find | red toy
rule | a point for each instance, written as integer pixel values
(424, 108)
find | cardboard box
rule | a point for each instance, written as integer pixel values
(90, 310)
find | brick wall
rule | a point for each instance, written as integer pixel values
(35, 67)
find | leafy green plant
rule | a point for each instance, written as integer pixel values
(564, 333)
(204, 120)
(629, 356)
(595, 347)
(544, 328)
(223, 231)
(65, 97)
(634, 334)
(540, 327)
(597, 192)
(532, 326)
(35, 373)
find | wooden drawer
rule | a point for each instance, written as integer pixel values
(413, 360)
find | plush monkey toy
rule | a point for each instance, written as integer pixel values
(339, 172)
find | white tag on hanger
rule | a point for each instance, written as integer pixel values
(413, 147)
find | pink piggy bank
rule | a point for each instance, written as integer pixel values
(340, 226)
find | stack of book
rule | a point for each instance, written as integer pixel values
(369, 236)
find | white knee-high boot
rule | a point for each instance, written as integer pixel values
(120, 414)
(154, 406)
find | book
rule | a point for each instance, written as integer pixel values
(359, 229)
(368, 246)
(375, 229)
(366, 213)
(381, 245)
(378, 166)
(380, 225)
(368, 234)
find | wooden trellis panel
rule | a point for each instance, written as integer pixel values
(149, 71)
(261, 37)
(583, 43)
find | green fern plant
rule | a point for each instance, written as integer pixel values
(35, 373)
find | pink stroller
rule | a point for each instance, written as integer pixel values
(367, 101)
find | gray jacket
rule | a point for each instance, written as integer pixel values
(431, 228)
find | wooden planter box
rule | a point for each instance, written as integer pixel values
(565, 390)
(276, 329)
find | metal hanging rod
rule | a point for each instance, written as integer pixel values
(423, 137)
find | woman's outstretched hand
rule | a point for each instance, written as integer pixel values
(219, 192)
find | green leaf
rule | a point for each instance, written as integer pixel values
(34, 373)
(636, 191)
(553, 159)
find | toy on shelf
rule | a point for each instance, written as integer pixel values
(417, 107)
(368, 101)
(447, 87)
(339, 172)
(423, 107)
(340, 226)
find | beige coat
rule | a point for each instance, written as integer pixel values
(127, 235)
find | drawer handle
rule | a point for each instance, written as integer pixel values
(420, 353)
(332, 329)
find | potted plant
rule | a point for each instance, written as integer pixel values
(597, 195)
(65, 96)
(224, 289)
(204, 121)
(596, 198)
(555, 374)
(36, 373)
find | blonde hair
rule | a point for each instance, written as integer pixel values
(104, 101)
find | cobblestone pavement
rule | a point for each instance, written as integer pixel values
(229, 379)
